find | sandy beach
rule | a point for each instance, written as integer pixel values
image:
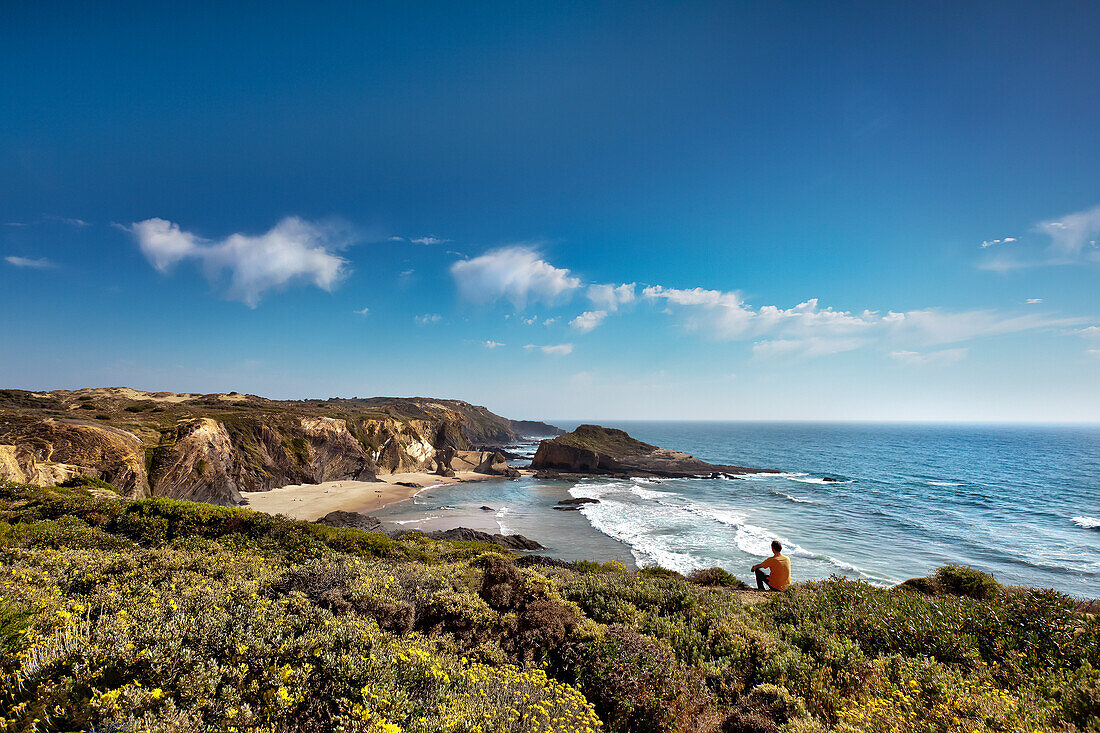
(313, 501)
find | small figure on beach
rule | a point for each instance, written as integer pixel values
(778, 566)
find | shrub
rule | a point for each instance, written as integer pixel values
(963, 581)
(716, 577)
(636, 684)
(764, 710)
(86, 482)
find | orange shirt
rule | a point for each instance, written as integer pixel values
(780, 567)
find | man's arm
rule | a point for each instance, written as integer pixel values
(756, 567)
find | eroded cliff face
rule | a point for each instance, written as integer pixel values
(212, 447)
(51, 451)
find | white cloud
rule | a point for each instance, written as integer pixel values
(429, 240)
(427, 318)
(1034, 301)
(292, 251)
(492, 344)
(588, 320)
(990, 242)
(607, 297)
(397, 239)
(517, 274)
(1094, 352)
(362, 311)
(1072, 234)
(71, 222)
(807, 329)
(933, 326)
(812, 346)
(1092, 332)
(552, 349)
(914, 358)
(40, 264)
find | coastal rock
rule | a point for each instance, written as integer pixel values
(465, 534)
(211, 447)
(495, 464)
(593, 449)
(487, 509)
(578, 500)
(353, 520)
(200, 465)
(50, 451)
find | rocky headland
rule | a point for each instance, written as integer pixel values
(212, 447)
(593, 449)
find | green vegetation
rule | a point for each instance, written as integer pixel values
(606, 441)
(157, 615)
(86, 482)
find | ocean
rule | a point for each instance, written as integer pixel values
(1020, 502)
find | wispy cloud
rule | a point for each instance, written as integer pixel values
(429, 240)
(1091, 332)
(914, 358)
(552, 349)
(38, 264)
(293, 251)
(70, 221)
(1067, 240)
(588, 320)
(1034, 301)
(517, 274)
(427, 318)
(492, 344)
(804, 347)
(362, 311)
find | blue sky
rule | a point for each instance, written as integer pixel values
(840, 211)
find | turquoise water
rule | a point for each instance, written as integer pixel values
(1020, 502)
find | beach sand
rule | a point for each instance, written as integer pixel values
(313, 501)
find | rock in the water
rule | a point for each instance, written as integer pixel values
(354, 520)
(579, 500)
(592, 449)
(495, 464)
(465, 534)
(487, 509)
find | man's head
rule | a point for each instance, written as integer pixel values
(776, 547)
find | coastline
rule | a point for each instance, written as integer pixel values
(313, 501)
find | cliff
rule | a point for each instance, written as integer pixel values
(593, 449)
(211, 447)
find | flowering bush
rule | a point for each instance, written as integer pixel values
(156, 615)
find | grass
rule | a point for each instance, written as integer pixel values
(158, 615)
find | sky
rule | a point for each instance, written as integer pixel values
(719, 211)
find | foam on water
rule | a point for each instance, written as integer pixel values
(1087, 522)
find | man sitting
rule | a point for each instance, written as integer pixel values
(779, 567)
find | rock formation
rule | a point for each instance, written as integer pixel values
(593, 449)
(495, 464)
(212, 447)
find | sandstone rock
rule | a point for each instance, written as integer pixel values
(495, 464)
(200, 465)
(49, 451)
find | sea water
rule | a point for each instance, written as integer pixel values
(878, 502)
